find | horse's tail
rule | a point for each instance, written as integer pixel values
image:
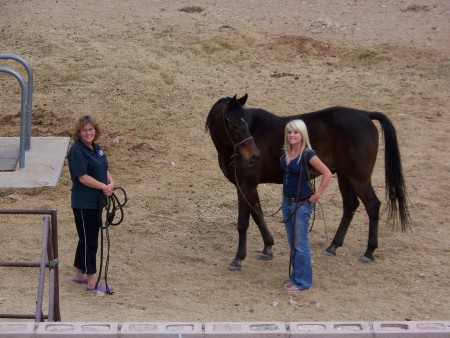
(395, 183)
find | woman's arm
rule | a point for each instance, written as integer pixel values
(317, 163)
(110, 186)
(91, 182)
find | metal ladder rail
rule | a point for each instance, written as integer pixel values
(22, 114)
(29, 101)
(49, 247)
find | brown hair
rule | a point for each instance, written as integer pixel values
(83, 121)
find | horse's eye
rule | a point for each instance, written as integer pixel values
(233, 125)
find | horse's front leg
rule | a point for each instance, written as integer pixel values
(242, 227)
(257, 214)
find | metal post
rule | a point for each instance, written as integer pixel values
(40, 296)
(49, 245)
(22, 114)
(54, 220)
(29, 104)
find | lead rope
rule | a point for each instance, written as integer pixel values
(111, 205)
(313, 188)
(294, 213)
(243, 195)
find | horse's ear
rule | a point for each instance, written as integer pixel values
(230, 104)
(243, 99)
(233, 102)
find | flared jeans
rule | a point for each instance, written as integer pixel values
(297, 234)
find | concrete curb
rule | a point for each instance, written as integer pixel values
(391, 329)
(43, 163)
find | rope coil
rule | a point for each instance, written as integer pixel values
(111, 204)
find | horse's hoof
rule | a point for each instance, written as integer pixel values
(329, 252)
(234, 266)
(365, 259)
(264, 257)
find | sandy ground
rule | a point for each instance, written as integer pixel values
(150, 71)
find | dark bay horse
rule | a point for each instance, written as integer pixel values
(249, 142)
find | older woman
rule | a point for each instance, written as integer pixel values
(91, 179)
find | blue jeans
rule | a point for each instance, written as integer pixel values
(301, 273)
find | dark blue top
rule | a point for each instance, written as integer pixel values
(292, 172)
(82, 161)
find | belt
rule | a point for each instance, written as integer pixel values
(294, 199)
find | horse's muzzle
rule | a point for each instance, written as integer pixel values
(254, 159)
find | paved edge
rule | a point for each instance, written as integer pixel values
(43, 163)
(387, 329)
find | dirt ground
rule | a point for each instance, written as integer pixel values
(149, 71)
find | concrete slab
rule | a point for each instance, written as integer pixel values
(161, 330)
(413, 329)
(246, 329)
(85, 330)
(17, 329)
(9, 155)
(43, 163)
(330, 329)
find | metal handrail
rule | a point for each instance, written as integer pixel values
(29, 101)
(49, 249)
(22, 113)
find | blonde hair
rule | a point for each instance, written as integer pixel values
(81, 122)
(300, 127)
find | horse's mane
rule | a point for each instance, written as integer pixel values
(211, 112)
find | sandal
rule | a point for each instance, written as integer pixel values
(291, 287)
(101, 288)
(288, 284)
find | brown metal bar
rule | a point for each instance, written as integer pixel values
(51, 296)
(18, 316)
(49, 246)
(54, 219)
(21, 264)
(40, 295)
(26, 212)
(51, 280)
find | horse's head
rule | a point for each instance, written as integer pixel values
(236, 124)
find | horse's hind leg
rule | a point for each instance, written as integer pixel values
(350, 203)
(372, 204)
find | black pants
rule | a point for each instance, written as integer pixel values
(87, 224)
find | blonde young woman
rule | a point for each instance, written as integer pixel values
(298, 200)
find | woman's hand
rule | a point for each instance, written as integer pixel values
(314, 198)
(326, 176)
(108, 189)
